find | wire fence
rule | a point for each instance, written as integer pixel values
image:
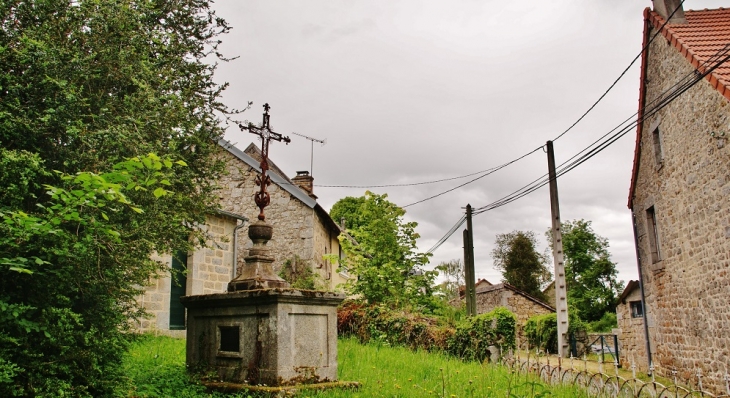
(603, 384)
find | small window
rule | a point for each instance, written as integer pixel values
(658, 150)
(229, 339)
(653, 233)
(637, 311)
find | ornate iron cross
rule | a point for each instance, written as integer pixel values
(264, 131)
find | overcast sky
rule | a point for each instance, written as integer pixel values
(414, 91)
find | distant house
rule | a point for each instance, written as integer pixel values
(520, 303)
(630, 317)
(549, 293)
(303, 234)
(680, 194)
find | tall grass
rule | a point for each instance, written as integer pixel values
(155, 366)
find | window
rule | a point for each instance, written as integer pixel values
(637, 311)
(658, 151)
(653, 233)
(229, 338)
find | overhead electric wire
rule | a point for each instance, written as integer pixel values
(408, 184)
(622, 73)
(571, 126)
(661, 101)
(447, 235)
(654, 106)
(475, 179)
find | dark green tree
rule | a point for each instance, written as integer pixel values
(108, 126)
(521, 265)
(590, 274)
(383, 254)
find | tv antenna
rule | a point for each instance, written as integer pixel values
(311, 158)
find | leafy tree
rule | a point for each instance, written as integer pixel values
(590, 275)
(348, 209)
(521, 265)
(98, 101)
(383, 255)
(454, 272)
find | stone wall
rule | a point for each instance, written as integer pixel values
(209, 271)
(299, 231)
(523, 307)
(632, 346)
(292, 219)
(688, 305)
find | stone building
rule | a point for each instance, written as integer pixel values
(630, 318)
(304, 236)
(520, 303)
(679, 194)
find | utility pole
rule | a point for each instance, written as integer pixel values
(561, 295)
(311, 156)
(471, 304)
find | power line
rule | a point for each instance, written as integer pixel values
(408, 184)
(523, 156)
(658, 103)
(622, 73)
(475, 179)
(447, 235)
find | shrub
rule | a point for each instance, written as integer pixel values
(300, 275)
(474, 336)
(604, 325)
(470, 340)
(393, 327)
(541, 331)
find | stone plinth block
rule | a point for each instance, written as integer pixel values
(273, 337)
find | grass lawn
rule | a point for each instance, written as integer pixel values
(156, 368)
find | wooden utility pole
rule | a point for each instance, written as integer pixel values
(471, 297)
(561, 295)
(467, 271)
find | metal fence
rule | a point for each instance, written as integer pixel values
(602, 384)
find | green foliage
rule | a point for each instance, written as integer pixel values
(469, 340)
(604, 325)
(541, 331)
(395, 327)
(454, 272)
(300, 275)
(384, 257)
(590, 274)
(474, 335)
(107, 130)
(521, 265)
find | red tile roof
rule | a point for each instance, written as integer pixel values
(704, 34)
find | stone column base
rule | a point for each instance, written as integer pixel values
(274, 337)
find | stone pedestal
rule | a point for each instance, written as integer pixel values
(274, 337)
(258, 272)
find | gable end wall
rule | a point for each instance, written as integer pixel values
(687, 296)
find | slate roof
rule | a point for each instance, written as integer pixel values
(252, 157)
(705, 33)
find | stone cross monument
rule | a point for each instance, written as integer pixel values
(258, 272)
(261, 331)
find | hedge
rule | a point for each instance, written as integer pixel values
(469, 340)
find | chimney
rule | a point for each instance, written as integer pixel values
(666, 7)
(305, 182)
